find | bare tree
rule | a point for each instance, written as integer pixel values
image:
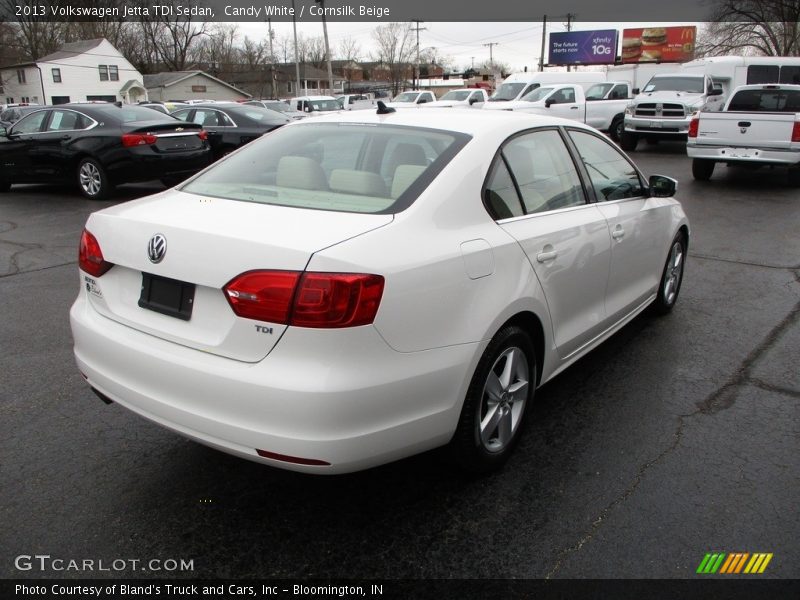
(349, 49)
(759, 27)
(394, 49)
(219, 48)
(30, 38)
(174, 38)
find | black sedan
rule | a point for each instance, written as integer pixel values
(230, 126)
(99, 146)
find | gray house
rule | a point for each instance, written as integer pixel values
(190, 85)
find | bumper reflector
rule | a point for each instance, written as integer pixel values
(292, 459)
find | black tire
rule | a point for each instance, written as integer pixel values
(629, 141)
(92, 180)
(483, 452)
(702, 169)
(669, 286)
(617, 128)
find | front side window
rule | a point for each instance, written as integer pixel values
(30, 124)
(336, 167)
(56, 75)
(563, 96)
(620, 91)
(612, 176)
(598, 91)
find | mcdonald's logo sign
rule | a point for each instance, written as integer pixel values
(735, 563)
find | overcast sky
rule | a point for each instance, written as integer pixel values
(518, 43)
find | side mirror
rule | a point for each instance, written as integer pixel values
(473, 100)
(636, 91)
(662, 186)
(549, 102)
(715, 92)
(422, 100)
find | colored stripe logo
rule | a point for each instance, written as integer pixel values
(734, 563)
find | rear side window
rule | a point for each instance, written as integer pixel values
(763, 74)
(378, 169)
(790, 75)
(766, 101)
(543, 175)
(612, 176)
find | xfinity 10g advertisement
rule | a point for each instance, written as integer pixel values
(583, 47)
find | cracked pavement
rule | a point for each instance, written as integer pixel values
(677, 437)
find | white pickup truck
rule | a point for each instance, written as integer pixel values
(758, 126)
(410, 99)
(602, 106)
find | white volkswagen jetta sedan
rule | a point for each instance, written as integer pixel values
(350, 290)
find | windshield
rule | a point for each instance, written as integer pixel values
(675, 84)
(457, 95)
(766, 101)
(598, 91)
(333, 166)
(507, 91)
(406, 97)
(324, 105)
(537, 94)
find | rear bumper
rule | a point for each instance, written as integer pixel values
(339, 396)
(743, 154)
(148, 166)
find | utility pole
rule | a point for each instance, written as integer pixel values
(327, 46)
(272, 93)
(544, 36)
(416, 74)
(296, 57)
(491, 59)
(569, 28)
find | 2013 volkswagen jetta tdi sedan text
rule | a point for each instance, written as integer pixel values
(354, 289)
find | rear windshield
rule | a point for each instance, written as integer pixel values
(130, 114)
(378, 169)
(258, 114)
(766, 100)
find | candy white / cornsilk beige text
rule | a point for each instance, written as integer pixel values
(271, 10)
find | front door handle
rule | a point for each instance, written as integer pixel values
(573, 108)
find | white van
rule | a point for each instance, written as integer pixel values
(516, 85)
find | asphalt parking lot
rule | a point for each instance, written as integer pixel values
(679, 436)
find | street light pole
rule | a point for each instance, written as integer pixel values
(296, 57)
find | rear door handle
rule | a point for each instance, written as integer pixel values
(573, 108)
(618, 233)
(545, 256)
(66, 137)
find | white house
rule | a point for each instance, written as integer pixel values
(79, 71)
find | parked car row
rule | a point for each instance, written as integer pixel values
(101, 145)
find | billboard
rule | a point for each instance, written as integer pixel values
(658, 44)
(583, 47)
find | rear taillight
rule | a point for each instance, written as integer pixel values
(796, 132)
(90, 257)
(319, 300)
(202, 134)
(130, 140)
(694, 126)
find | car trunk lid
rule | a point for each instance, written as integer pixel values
(208, 242)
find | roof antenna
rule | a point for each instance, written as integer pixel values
(383, 109)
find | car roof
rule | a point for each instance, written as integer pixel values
(471, 121)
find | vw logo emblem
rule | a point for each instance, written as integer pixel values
(157, 248)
